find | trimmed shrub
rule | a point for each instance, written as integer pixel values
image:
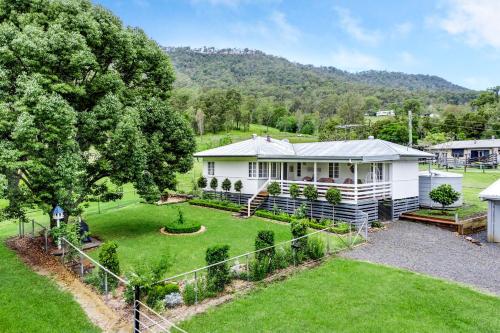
(311, 194)
(202, 182)
(274, 189)
(223, 205)
(315, 248)
(218, 275)
(265, 238)
(181, 226)
(238, 186)
(444, 194)
(299, 229)
(283, 217)
(108, 257)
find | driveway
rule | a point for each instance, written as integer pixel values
(434, 251)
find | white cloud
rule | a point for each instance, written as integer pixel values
(286, 30)
(354, 61)
(403, 29)
(477, 21)
(407, 58)
(353, 27)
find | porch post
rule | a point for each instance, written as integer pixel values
(269, 171)
(281, 176)
(374, 177)
(315, 172)
(356, 182)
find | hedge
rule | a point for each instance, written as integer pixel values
(185, 228)
(223, 205)
(283, 217)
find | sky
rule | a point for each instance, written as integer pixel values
(458, 40)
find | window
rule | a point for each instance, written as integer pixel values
(299, 169)
(211, 168)
(333, 170)
(263, 170)
(457, 152)
(275, 170)
(252, 169)
(379, 167)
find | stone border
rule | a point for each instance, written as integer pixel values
(166, 233)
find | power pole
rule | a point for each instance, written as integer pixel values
(410, 128)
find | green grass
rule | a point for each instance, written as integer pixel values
(474, 181)
(350, 296)
(33, 303)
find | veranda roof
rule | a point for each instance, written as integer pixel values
(268, 148)
(467, 144)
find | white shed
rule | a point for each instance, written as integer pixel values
(430, 179)
(492, 195)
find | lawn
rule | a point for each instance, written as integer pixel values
(136, 230)
(350, 296)
(473, 183)
(33, 303)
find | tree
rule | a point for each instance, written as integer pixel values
(82, 99)
(294, 191)
(393, 131)
(372, 105)
(311, 194)
(214, 106)
(413, 105)
(238, 186)
(274, 189)
(333, 196)
(200, 121)
(444, 194)
(217, 272)
(233, 106)
(329, 130)
(226, 185)
(213, 185)
(351, 108)
(202, 182)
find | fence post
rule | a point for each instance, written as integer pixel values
(46, 240)
(32, 228)
(195, 288)
(106, 284)
(137, 306)
(81, 265)
(248, 268)
(62, 256)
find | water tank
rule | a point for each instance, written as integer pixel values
(427, 181)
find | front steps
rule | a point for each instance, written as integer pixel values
(254, 204)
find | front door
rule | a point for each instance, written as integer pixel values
(285, 171)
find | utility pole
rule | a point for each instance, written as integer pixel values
(410, 128)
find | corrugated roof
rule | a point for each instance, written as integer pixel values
(366, 150)
(466, 144)
(492, 192)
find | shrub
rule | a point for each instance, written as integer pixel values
(226, 185)
(283, 217)
(264, 239)
(294, 191)
(377, 224)
(444, 194)
(94, 279)
(224, 205)
(173, 300)
(341, 228)
(157, 293)
(259, 268)
(181, 226)
(108, 257)
(274, 189)
(190, 294)
(333, 196)
(282, 258)
(202, 182)
(311, 194)
(315, 248)
(300, 212)
(299, 229)
(214, 183)
(238, 186)
(218, 275)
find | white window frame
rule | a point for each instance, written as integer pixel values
(275, 170)
(252, 169)
(263, 170)
(211, 168)
(333, 170)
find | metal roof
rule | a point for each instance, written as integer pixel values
(366, 150)
(486, 143)
(492, 192)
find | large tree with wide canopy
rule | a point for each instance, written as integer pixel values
(82, 99)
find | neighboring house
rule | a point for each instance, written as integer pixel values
(367, 172)
(385, 113)
(458, 153)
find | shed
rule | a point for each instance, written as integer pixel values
(430, 179)
(492, 195)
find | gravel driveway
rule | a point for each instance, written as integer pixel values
(434, 251)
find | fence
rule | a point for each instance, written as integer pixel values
(249, 266)
(34, 229)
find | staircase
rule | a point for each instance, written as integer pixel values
(253, 203)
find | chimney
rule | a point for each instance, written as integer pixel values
(371, 137)
(254, 136)
(493, 137)
(268, 138)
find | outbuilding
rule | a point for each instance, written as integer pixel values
(492, 195)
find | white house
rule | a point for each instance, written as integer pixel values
(385, 113)
(458, 153)
(367, 172)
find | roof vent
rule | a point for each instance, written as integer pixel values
(268, 138)
(371, 137)
(254, 136)
(493, 137)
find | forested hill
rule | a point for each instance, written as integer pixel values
(258, 73)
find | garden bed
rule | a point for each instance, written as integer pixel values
(200, 231)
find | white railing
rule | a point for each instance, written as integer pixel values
(264, 186)
(349, 192)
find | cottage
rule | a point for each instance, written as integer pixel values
(467, 152)
(377, 177)
(385, 113)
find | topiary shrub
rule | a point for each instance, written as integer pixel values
(226, 186)
(294, 191)
(181, 226)
(202, 182)
(445, 195)
(217, 275)
(274, 189)
(238, 186)
(213, 184)
(299, 229)
(108, 257)
(311, 194)
(333, 196)
(264, 239)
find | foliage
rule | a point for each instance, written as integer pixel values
(108, 257)
(444, 194)
(333, 196)
(311, 192)
(259, 268)
(294, 191)
(180, 218)
(84, 98)
(184, 228)
(315, 248)
(198, 291)
(299, 230)
(217, 275)
(226, 185)
(214, 183)
(145, 275)
(202, 182)
(238, 186)
(71, 232)
(300, 212)
(157, 293)
(283, 217)
(224, 205)
(264, 239)
(274, 188)
(376, 224)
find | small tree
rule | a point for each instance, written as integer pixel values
(445, 195)
(108, 257)
(264, 239)
(238, 186)
(226, 186)
(294, 191)
(311, 194)
(274, 189)
(213, 184)
(217, 275)
(333, 196)
(202, 182)
(299, 229)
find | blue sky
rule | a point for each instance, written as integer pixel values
(458, 40)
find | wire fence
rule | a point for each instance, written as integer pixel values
(269, 261)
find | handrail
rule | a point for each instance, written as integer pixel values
(252, 198)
